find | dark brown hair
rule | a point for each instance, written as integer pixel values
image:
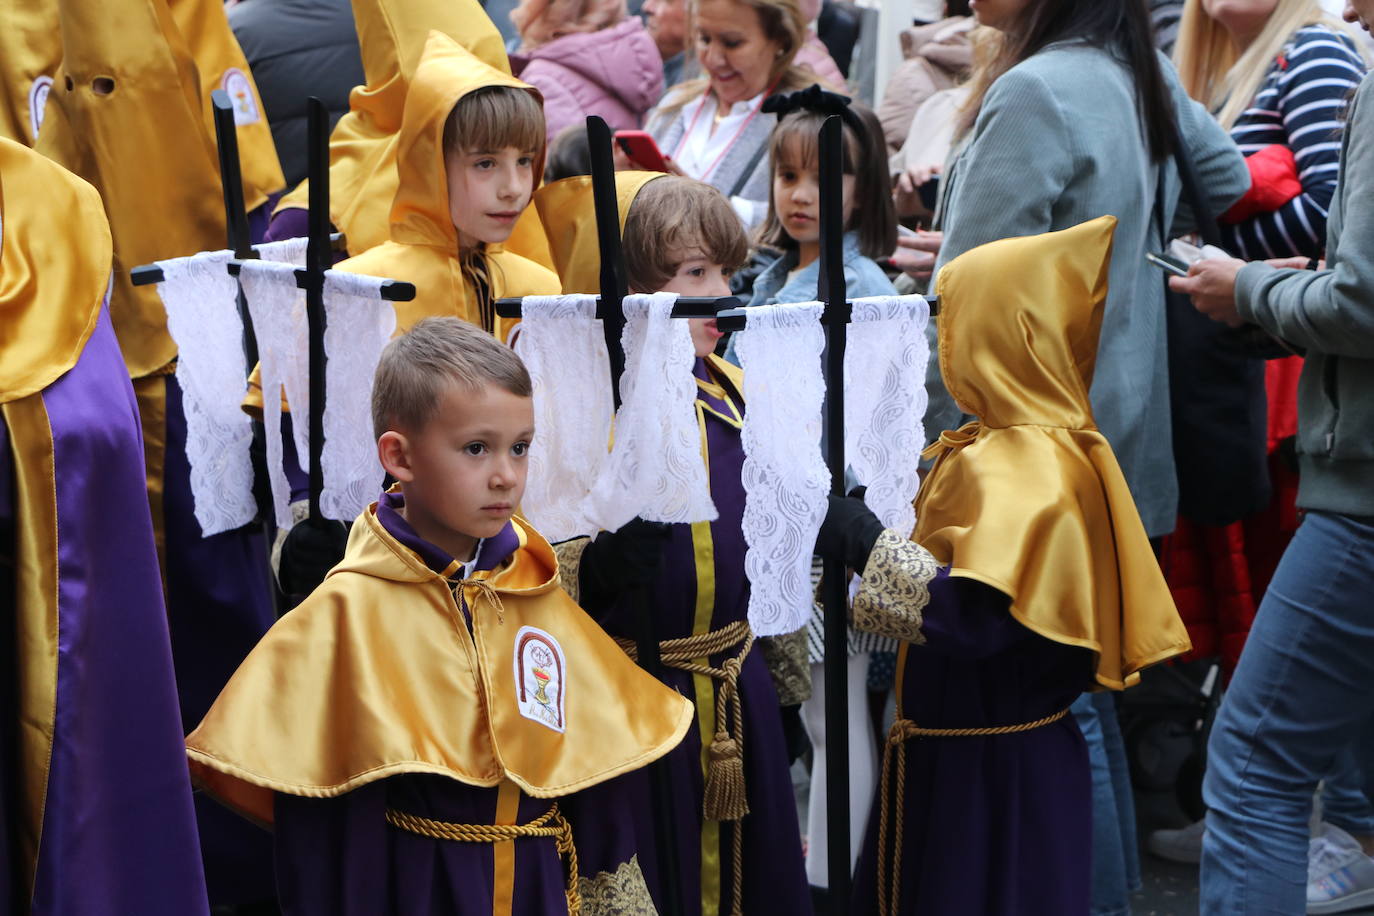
(436, 352)
(795, 141)
(671, 217)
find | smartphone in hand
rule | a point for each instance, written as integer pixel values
(642, 150)
(1167, 263)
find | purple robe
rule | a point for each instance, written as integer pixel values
(774, 876)
(118, 831)
(998, 825)
(339, 857)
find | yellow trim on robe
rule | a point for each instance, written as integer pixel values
(144, 147)
(1031, 500)
(205, 28)
(150, 392)
(394, 665)
(503, 853)
(704, 687)
(36, 623)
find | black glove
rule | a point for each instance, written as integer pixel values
(621, 560)
(311, 549)
(849, 532)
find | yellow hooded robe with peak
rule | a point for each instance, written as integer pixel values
(362, 148)
(423, 248)
(569, 219)
(221, 64)
(126, 115)
(1031, 500)
(30, 52)
(394, 666)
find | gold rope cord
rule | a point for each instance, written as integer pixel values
(724, 797)
(902, 731)
(550, 824)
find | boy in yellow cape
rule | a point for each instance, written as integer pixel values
(1029, 579)
(434, 728)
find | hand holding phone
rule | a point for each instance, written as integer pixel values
(1167, 263)
(642, 150)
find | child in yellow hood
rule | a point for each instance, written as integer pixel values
(469, 156)
(438, 728)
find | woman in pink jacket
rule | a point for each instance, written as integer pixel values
(588, 57)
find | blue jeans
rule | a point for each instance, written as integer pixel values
(1301, 696)
(1344, 802)
(1116, 859)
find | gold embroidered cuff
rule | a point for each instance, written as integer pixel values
(618, 893)
(895, 589)
(569, 556)
(788, 664)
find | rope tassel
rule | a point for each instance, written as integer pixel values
(724, 798)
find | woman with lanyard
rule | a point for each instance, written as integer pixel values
(712, 128)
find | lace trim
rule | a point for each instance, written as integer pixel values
(622, 892)
(895, 588)
(564, 348)
(358, 324)
(655, 469)
(885, 400)
(203, 318)
(785, 478)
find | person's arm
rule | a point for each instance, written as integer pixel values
(1320, 74)
(1222, 174)
(1328, 310)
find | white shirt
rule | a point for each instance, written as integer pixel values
(701, 149)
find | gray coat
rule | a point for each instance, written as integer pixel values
(749, 152)
(1058, 142)
(1331, 313)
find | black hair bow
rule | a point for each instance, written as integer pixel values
(813, 98)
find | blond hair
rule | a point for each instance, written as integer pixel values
(672, 217)
(782, 23)
(1215, 72)
(417, 367)
(542, 21)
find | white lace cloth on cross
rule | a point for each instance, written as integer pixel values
(201, 299)
(884, 400)
(655, 469)
(564, 347)
(786, 481)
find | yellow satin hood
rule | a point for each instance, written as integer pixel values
(125, 114)
(362, 148)
(376, 675)
(1032, 500)
(569, 217)
(30, 51)
(222, 65)
(54, 269)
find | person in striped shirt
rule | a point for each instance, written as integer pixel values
(1276, 74)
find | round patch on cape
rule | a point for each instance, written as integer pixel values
(38, 101)
(541, 677)
(240, 90)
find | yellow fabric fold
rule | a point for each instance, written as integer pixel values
(30, 52)
(1031, 500)
(126, 115)
(423, 248)
(377, 675)
(54, 269)
(569, 219)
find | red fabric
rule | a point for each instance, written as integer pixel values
(1281, 386)
(1273, 182)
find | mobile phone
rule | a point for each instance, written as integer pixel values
(641, 149)
(1167, 263)
(930, 193)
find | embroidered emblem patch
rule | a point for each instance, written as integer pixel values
(541, 674)
(240, 92)
(38, 101)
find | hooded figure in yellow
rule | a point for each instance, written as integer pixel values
(1029, 579)
(127, 115)
(468, 158)
(362, 148)
(30, 52)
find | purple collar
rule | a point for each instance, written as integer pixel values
(491, 552)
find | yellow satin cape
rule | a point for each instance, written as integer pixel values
(362, 148)
(569, 218)
(126, 115)
(377, 675)
(30, 50)
(423, 248)
(1031, 500)
(222, 65)
(54, 269)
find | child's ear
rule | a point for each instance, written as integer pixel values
(393, 450)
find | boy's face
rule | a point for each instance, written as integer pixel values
(698, 276)
(464, 472)
(487, 192)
